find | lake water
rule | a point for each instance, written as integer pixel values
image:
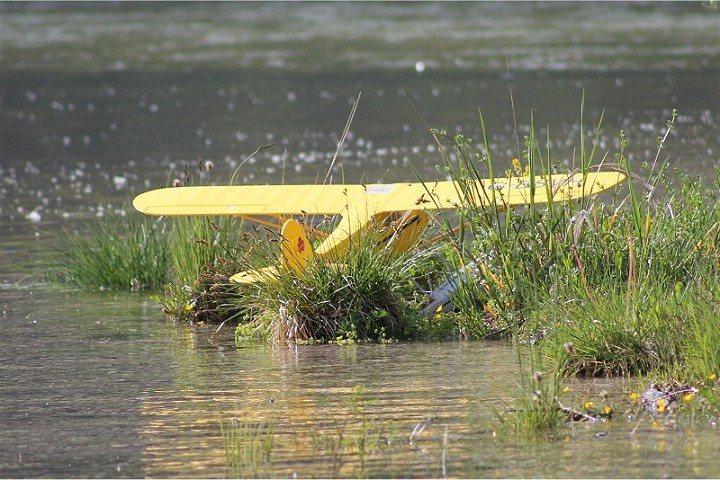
(99, 102)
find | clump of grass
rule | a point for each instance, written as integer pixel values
(640, 248)
(248, 446)
(608, 338)
(360, 295)
(519, 253)
(645, 314)
(118, 252)
(204, 254)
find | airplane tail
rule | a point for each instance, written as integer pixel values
(295, 253)
(296, 250)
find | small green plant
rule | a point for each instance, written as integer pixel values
(537, 411)
(252, 331)
(248, 446)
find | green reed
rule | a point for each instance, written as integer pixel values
(248, 447)
(197, 242)
(121, 252)
(701, 335)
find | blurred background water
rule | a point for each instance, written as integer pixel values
(101, 101)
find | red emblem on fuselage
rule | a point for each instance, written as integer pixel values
(300, 245)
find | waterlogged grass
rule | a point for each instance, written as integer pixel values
(355, 440)
(358, 437)
(537, 410)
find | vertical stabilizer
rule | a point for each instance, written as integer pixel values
(296, 250)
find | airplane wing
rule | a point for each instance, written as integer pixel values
(510, 192)
(290, 200)
(250, 200)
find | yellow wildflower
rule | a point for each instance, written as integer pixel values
(688, 396)
(712, 377)
(634, 396)
(565, 389)
(588, 405)
(661, 405)
(517, 165)
(607, 409)
(189, 307)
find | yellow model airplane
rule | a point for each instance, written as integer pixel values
(400, 210)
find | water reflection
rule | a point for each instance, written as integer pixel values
(310, 393)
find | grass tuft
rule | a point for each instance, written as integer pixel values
(361, 295)
(119, 252)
